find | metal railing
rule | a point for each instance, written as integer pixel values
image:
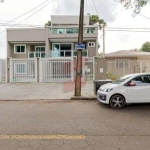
(3, 70)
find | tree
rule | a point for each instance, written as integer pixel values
(146, 47)
(94, 19)
(136, 5)
(48, 23)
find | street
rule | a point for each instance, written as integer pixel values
(73, 125)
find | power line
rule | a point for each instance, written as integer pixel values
(128, 28)
(127, 31)
(95, 7)
(31, 14)
(138, 13)
(27, 12)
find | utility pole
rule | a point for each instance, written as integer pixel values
(79, 52)
(104, 41)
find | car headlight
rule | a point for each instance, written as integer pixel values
(108, 90)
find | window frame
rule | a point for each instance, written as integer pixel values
(15, 71)
(141, 82)
(94, 44)
(20, 46)
(128, 60)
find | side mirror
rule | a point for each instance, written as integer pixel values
(132, 84)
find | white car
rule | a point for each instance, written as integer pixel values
(132, 88)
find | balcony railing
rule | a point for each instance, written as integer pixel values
(36, 54)
(57, 53)
(67, 53)
(87, 30)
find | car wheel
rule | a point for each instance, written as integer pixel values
(117, 102)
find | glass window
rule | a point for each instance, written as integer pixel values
(56, 31)
(141, 80)
(20, 68)
(72, 30)
(56, 46)
(19, 49)
(122, 79)
(122, 63)
(40, 51)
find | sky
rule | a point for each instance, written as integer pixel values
(114, 14)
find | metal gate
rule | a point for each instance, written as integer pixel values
(56, 70)
(87, 69)
(3, 70)
(23, 70)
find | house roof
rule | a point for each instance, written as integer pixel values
(127, 53)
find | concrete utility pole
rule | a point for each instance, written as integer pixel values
(79, 52)
(104, 41)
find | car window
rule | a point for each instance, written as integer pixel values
(141, 80)
(122, 79)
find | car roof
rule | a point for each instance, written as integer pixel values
(137, 74)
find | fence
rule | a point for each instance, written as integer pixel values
(23, 70)
(116, 69)
(3, 70)
(45, 69)
(56, 70)
(87, 69)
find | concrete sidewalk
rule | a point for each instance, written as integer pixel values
(42, 91)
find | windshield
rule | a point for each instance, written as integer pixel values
(122, 79)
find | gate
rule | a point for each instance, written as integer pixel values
(56, 70)
(3, 70)
(23, 70)
(87, 69)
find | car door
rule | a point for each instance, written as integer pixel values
(140, 92)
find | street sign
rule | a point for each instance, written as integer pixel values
(79, 46)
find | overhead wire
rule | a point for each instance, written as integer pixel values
(28, 11)
(30, 15)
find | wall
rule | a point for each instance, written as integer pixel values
(26, 35)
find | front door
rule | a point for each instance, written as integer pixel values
(141, 91)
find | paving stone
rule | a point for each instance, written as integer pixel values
(42, 91)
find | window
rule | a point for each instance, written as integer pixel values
(20, 68)
(141, 80)
(56, 31)
(91, 44)
(72, 30)
(40, 51)
(19, 49)
(122, 63)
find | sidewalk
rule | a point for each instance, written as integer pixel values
(42, 91)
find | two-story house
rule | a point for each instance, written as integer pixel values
(55, 41)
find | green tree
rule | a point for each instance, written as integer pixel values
(48, 23)
(136, 5)
(94, 19)
(146, 47)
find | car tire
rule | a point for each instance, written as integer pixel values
(117, 102)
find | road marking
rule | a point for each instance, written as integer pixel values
(43, 137)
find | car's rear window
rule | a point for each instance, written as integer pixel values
(122, 79)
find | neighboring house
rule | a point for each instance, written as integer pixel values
(127, 61)
(55, 43)
(57, 40)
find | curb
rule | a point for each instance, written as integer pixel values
(83, 98)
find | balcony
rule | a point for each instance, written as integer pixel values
(36, 54)
(57, 53)
(67, 53)
(72, 32)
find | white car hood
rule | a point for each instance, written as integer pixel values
(108, 85)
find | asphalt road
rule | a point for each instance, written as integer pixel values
(73, 125)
